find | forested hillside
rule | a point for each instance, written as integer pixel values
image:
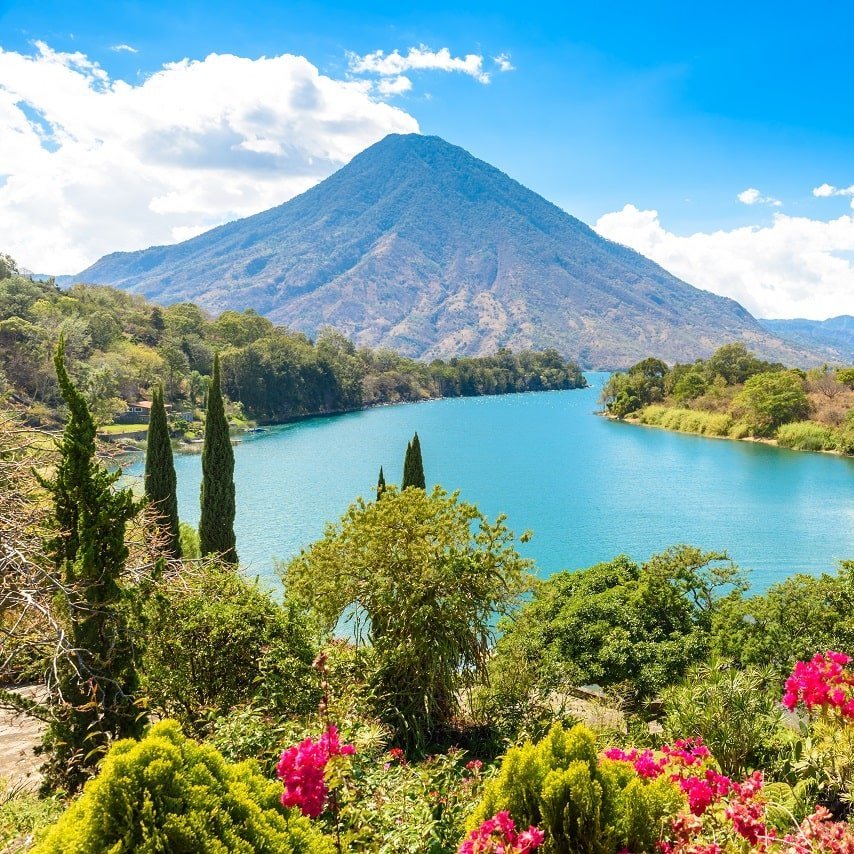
(120, 346)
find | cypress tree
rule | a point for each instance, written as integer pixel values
(380, 484)
(160, 478)
(97, 680)
(413, 467)
(216, 526)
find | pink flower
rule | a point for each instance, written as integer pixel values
(822, 682)
(302, 769)
(497, 835)
(474, 765)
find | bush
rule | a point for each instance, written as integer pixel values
(582, 803)
(166, 793)
(735, 712)
(771, 399)
(621, 625)
(424, 576)
(216, 641)
(806, 436)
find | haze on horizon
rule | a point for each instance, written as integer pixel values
(713, 143)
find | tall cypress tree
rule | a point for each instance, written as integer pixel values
(160, 479)
(380, 484)
(216, 526)
(413, 467)
(97, 680)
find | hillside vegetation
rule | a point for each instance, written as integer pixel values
(418, 246)
(734, 394)
(120, 346)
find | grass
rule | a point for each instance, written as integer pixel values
(686, 420)
(806, 436)
(23, 814)
(123, 429)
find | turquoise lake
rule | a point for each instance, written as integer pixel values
(587, 487)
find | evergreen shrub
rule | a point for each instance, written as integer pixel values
(167, 794)
(581, 801)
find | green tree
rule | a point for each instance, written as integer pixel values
(634, 628)
(770, 399)
(380, 484)
(160, 479)
(97, 680)
(413, 466)
(736, 364)
(216, 525)
(423, 575)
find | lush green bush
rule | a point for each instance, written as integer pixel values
(791, 622)
(621, 625)
(581, 802)
(167, 794)
(736, 713)
(806, 436)
(429, 572)
(216, 641)
(770, 399)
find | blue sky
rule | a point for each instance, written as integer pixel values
(668, 108)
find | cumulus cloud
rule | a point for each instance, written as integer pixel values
(89, 164)
(752, 196)
(826, 190)
(796, 267)
(123, 48)
(395, 64)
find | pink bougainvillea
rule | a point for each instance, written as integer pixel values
(498, 835)
(822, 683)
(302, 769)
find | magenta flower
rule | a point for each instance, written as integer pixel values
(302, 769)
(497, 835)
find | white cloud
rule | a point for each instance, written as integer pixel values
(752, 196)
(394, 85)
(503, 62)
(826, 190)
(421, 58)
(796, 267)
(123, 48)
(90, 165)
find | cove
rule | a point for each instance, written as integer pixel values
(589, 488)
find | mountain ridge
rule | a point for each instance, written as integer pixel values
(835, 333)
(419, 246)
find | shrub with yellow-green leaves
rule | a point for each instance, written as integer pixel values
(581, 801)
(167, 794)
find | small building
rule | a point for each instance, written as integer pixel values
(138, 412)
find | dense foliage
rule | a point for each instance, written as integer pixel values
(166, 793)
(119, 347)
(630, 627)
(422, 576)
(580, 801)
(734, 394)
(215, 641)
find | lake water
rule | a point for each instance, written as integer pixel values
(588, 488)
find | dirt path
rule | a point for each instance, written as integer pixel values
(18, 736)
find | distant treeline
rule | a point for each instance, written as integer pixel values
(120, 346)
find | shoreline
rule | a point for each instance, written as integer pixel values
(755, 440)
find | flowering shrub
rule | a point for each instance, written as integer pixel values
(497, 835)
(303, 770)
(580, 800)
(822, 683)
